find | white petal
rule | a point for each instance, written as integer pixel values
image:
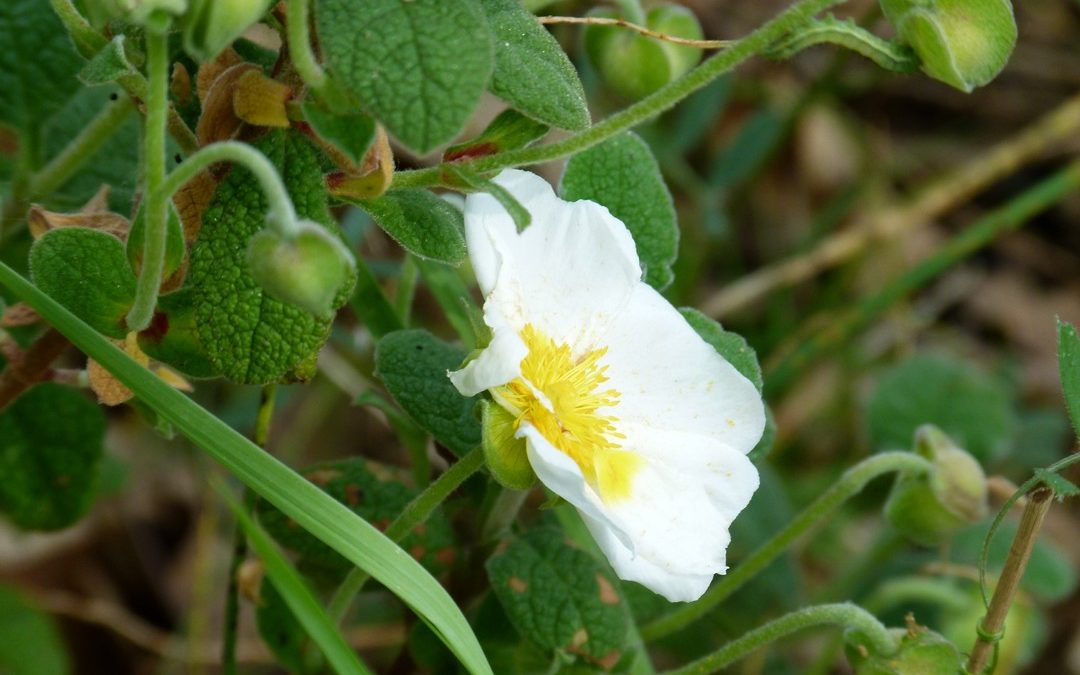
(669, 378)
(497, 364)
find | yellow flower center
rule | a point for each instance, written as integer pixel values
(561, 398)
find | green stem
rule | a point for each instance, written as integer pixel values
(1008, 217)
(645, 109)
(850, 483)
(281, 216)
(297, 19)
(415, 512)
(82, 147)
(842, 614)
(504, 510)
(406, 289)
(157, 214)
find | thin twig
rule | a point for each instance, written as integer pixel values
(938, 197)
(32, 367)
(623, 23)
(993, 623)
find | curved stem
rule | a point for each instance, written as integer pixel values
(157, 107)
(82, 147)
(648, 107)
(850, 483)
(297, 20)
(282, 215)
(415, 512)
(842, 614)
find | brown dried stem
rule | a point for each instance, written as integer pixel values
(32, 367)
(623, 23)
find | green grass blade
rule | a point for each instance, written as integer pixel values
(310, 507)
(296, 594)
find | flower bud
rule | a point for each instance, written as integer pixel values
(504, 454)
(212, 25)
(921, 652)
(149, 13)
(963, 43)
(930, 507)
(308, 270)
(636, 65)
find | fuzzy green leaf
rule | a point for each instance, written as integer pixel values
(108, 65)
(32, 644)
(966, 403)
(560, 597)
(87, 272)
(367, 491)
(250, 336)
(173, 338)
(1069, 368)
(532, 72)
(475, 181)
(50, 452)
(419, 66)
(621, 173)
(350, 134)
(732, 346)
(423, 224)
(1062, 487)
(38, 64)
(413, 364)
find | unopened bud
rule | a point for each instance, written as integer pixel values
(308, 270)
(930, 507)
(963, 43)
(921, 652)
(212, 25)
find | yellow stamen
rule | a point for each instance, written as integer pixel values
(561, 397)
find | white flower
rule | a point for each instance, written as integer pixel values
(626, 412)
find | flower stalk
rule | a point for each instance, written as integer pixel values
(850, 484)
(843, 614)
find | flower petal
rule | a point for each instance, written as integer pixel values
(669, 378)
(497, 364)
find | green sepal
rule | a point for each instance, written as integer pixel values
(349, 134)
(212, 25)
(510, 130)
(504, 453)
(922, 652)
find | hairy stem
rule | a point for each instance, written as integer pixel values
(843, 614)
(645, 109)
(282, 215)
(850, 483)
(415, 512)
(157, 213)
(1016, 562)
(298, 19)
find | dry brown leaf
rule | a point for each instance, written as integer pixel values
(19, 314)
(218, 121)
(211, 70)
(112, 392)
(99, 203)
(180, 84)
(260, 100)
(41, 221)
(374, 175)
(191, 201)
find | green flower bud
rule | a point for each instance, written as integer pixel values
(212, 25)
(154, 14)
(504, 454)
(636, 65)
(963, 43)
(922, 652)
(930, 507)
(309, 270)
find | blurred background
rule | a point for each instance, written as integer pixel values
(830, 213)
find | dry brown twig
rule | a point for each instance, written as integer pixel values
(623, 23)
(936, 198)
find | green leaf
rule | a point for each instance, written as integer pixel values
(967, 404)
(173, 338)
(476, 182)
(532, 72)
(419, 66)
(732, 346)
(279, 629)
(87, 272)
(560, 597)
(450, 291)
(622, 174)
(108, 65)
(311, 508)
(368, 492)
(350, 134)
(251, 337)
(413, 365)
(32, 644)
(424, 225)
(175, 248)
(38, 64)
(510, 130)
(50, 453)
(1062, 487)
(1069, 368)
(297, 596)
(370, 304)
